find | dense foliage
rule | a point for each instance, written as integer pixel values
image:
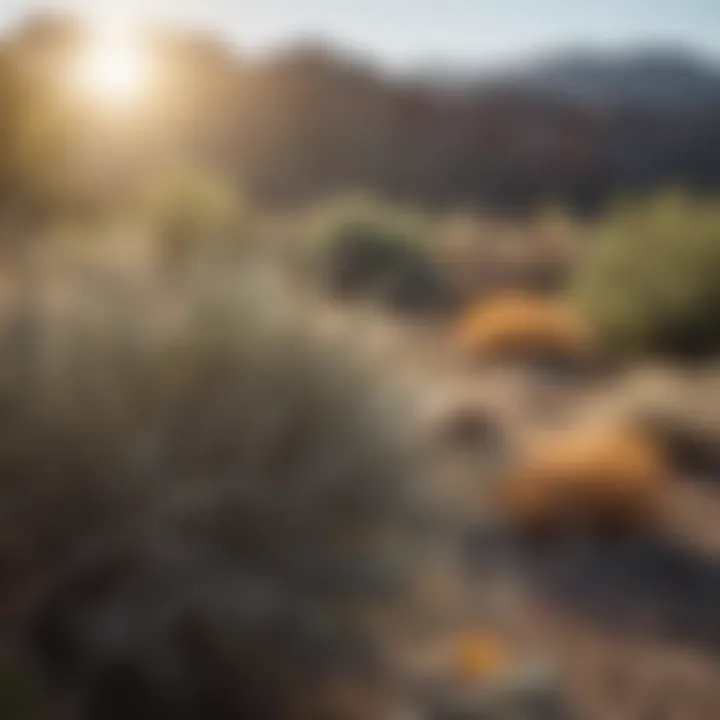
(652, 281)
(371, 249)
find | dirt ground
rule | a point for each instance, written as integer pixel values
(630, 629)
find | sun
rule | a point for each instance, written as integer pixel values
(113, 68)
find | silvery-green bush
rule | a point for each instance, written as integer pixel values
(204, 499)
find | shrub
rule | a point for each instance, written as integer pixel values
(603, 482)
(378, 251)
(652, 281)
(191, 213)
(201, 470)
(479, 657)
(516, 325)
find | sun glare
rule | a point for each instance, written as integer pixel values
(113, 68)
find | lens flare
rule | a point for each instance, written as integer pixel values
(113, 68)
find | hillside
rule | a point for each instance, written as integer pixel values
(311, 121)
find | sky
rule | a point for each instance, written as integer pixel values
(417, 32)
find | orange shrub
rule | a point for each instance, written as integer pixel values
(523, 326)
(479, 657)
(603, 482)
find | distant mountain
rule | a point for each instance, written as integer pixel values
(310, 121)
(656, 79)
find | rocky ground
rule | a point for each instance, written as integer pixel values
(622, 630)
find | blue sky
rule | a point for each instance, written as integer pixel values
(456, 32)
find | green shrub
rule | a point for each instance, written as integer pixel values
(374, 250)
(652, 281)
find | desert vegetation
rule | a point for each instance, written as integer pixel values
(592, 480)
(514, 325)
(651, 281)
(275, 447)
(203, 441)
